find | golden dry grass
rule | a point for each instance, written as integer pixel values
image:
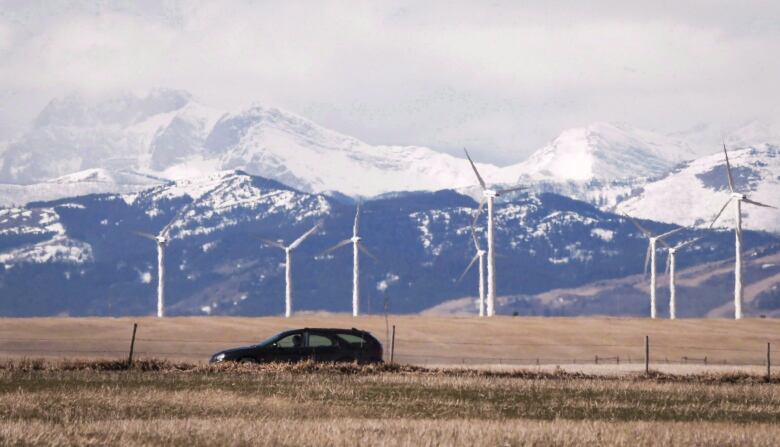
(420, 339)
(64, 404)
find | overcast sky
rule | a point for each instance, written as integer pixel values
(502, 79)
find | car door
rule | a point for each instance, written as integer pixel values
(290, 348)
(322, 347)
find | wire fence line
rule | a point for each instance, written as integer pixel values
(413, 351)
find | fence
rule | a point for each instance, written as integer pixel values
(400, 349)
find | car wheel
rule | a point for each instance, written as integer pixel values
(247, 360)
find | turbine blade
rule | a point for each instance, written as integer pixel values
(668, 261)
(753, 202)
(647, 259)
(273, 243)
(471, 264)
(356, 225)
(300, 240)
(367, 253)
(479, 211)
(474, 167)
(728, 168)
(720, 212)
(686, 243)
(669, 233)
(640, 227)
(474, 238)
(336, 247)
(145, 235)
(167, 228)
(517, 188)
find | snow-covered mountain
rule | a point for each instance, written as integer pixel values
(89, 181)
(601, 152)
(694, 193)
(82, 257)
(167, 134)
(601, 164)
(127, 132)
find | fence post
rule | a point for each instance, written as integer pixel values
(392, 346)
(132, 346)
(705, 360)
(647, 354)
(768, 362)
(597, 360)
(618, 359)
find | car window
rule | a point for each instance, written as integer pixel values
(290, 341)
(351, 338)
(316, 341)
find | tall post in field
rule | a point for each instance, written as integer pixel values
(768, 362)
(491, 264)
(160, 279)
(738, 263)
(355, 279)
(287, 283)
(653, 305)
(647, 354)
(132, 347)
(392, 347)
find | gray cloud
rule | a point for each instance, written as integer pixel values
(502, 78)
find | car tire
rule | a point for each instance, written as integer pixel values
(247, 360)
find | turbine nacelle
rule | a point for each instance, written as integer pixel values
(490, 193)
(738, 196)
(355, 239)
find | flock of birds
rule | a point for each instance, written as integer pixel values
(487, 295)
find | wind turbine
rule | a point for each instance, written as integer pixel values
(480, 255)
(489, 195)
(357, 247)
(650, 259)
(670, 262)
(162, 239)
(288, 266)
(739, 198)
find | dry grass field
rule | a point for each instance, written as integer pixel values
(499, 342)
(490, 393)
(81, 403)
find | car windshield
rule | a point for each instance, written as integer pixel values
(269, 340)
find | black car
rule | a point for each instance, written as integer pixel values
(322, 345)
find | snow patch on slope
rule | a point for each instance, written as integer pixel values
(694, 194)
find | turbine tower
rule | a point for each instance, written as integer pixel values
(489, 195)
(479, 256)
(288, 266)
(357, 247)
(161, 239)
(650, 259)
(670, 263)
(738, 198)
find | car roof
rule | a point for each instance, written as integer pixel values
(320, 329)
(332, 329)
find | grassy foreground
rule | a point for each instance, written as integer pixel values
(159, 402)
